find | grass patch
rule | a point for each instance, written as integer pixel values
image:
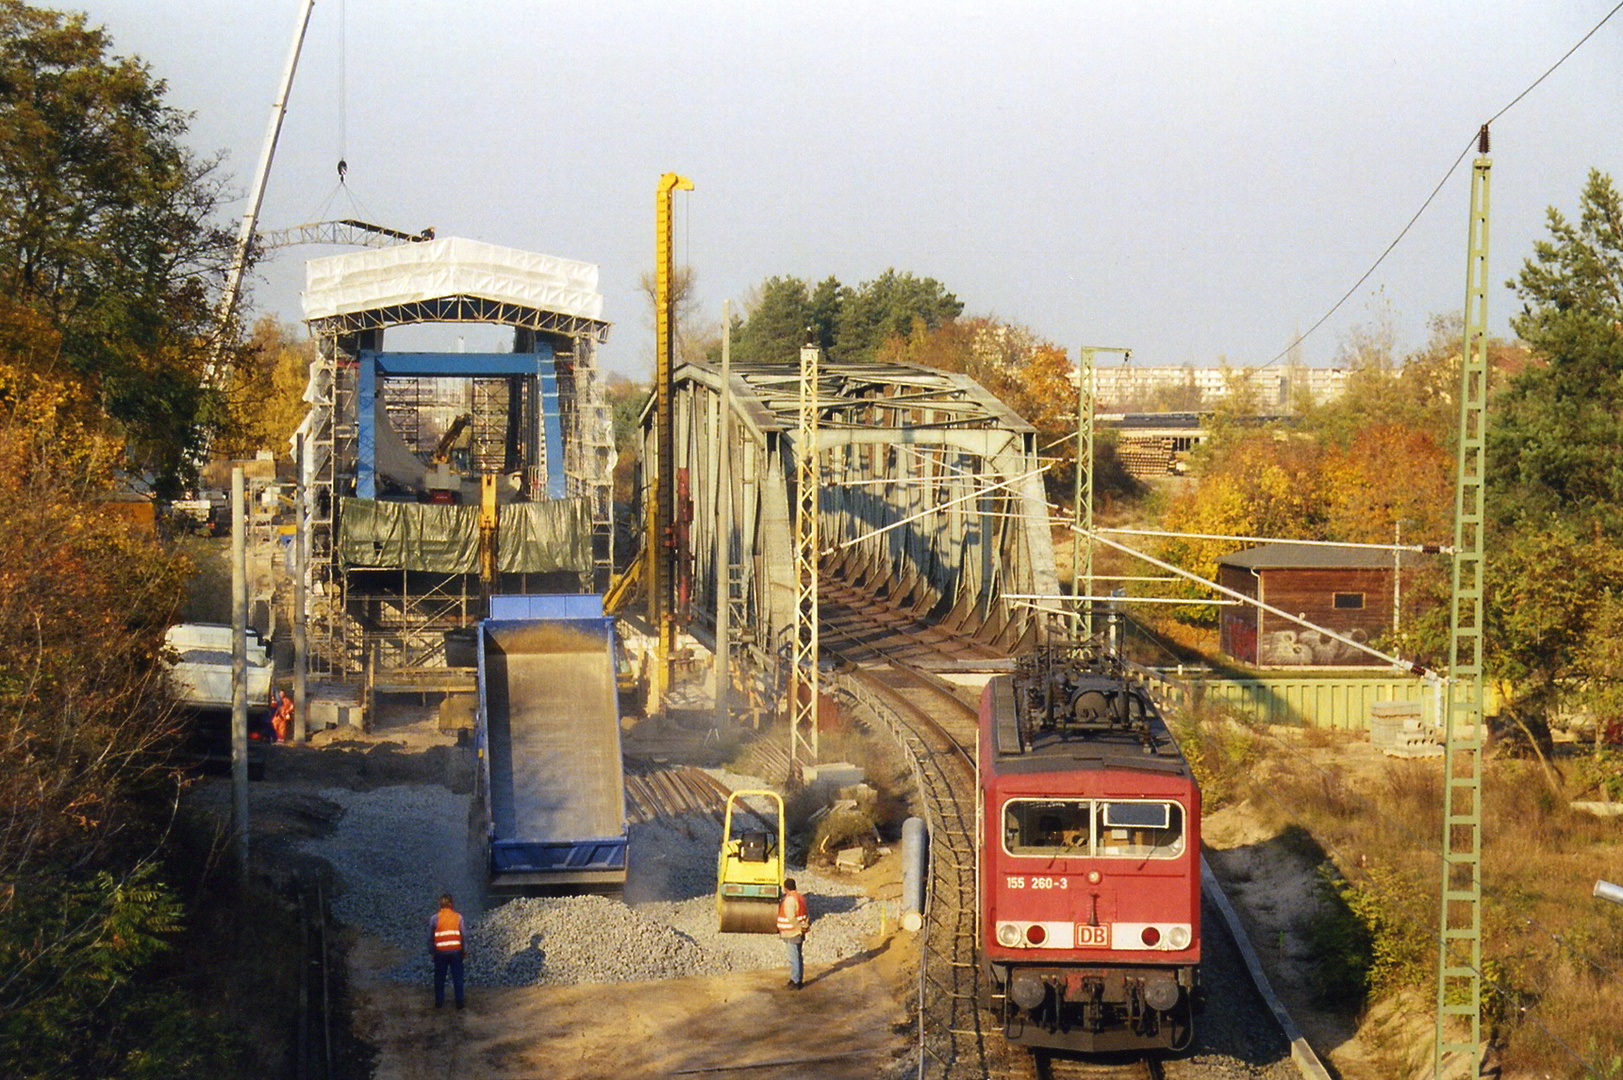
(1552, 954)
(1221, 751)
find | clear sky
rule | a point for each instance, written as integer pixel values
(1195, 181)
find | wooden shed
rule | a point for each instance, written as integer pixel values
(1348, 590)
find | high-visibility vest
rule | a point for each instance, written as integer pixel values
(448, 931)
(792, 914)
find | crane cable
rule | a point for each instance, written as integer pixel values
(343, 94)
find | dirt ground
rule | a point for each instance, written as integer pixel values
(843, 1023)
(847, 1021)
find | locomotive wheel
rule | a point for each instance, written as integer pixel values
(748, 917)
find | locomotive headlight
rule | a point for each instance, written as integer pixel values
(1008, 935)
(1094, 877)
(1150, 936)
(1178, 937)
(1035, 934)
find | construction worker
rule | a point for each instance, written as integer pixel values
(793, 922)
(447, 942)
(282, 717)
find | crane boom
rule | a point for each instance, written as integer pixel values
(256, 197)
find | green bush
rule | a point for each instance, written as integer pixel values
(75, 949)
(1371, 936)
(1343, 944)
(1221, 753)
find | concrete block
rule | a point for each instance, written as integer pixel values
(834, 774)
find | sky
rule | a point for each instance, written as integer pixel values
(1199, 183)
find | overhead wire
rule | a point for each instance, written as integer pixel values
(1440, 184)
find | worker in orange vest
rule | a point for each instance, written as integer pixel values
(282, 718)
(793, 922)
(447, 943)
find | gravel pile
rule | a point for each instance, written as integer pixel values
(397, 848)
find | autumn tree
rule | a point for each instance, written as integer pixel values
(105, 229)
(1372, 466)
(1034, 378)
(265, 391)
(85, 730)
(104, 313)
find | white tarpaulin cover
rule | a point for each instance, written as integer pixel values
(454, 266)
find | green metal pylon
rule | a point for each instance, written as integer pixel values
(1459, 950)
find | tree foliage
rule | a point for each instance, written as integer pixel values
(105, 228)
(1555, 458)
(265, 391)
(850, 324)
(104, 254)
(1370, 466)
(85, 737)
(84, 769)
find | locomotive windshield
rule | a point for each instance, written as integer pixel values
(1093, 828)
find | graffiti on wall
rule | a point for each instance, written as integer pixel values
(1301, 648)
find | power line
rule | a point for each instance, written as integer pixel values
(1434, 191)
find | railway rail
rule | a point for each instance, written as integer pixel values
(673, 792)
(313, 1043)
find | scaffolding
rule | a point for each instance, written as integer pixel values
(359, 616)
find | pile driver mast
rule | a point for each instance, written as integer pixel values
(662, 541)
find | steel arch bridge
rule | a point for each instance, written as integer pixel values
(931, 498)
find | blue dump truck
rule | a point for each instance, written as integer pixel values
(551, 785)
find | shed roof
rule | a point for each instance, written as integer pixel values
(1289, 556)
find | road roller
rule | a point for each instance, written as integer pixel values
(749, 873)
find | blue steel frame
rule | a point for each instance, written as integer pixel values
(539, 366)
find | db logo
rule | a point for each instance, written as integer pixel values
(1096, 937)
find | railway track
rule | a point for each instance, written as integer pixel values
(313, 1042)
(1053, 1067)
(887, 659)
(672, 792)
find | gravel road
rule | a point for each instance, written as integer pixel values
(396, 848)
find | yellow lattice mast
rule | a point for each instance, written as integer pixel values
(661, 550)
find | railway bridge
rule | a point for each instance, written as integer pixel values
(930, 498)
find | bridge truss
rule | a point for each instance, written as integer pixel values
(930, 498)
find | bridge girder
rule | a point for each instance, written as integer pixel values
(932, 496)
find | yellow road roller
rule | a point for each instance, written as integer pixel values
(749, 873)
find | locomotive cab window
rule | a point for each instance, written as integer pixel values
(1141, 829)
(1048, 827)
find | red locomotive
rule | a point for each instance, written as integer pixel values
(1089, 860)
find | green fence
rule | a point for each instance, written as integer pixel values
(1334, 701)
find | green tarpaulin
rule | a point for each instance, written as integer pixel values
(531, 538)
(538, 537)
